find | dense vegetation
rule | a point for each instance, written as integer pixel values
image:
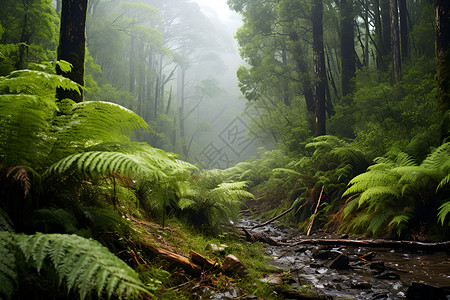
(345, 101)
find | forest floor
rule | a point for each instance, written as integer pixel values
(302, 271)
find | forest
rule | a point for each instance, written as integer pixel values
(160, 149)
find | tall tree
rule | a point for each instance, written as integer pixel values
(347, 46)
(72, 45)
(320, 75)
(395, 42)
(404, 30)
(442, 19)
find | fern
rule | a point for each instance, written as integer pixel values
(82, 264)
(378, 192)
(444, 210)
(32, 82)
(401, 222)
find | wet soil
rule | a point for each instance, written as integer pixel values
(385, 274)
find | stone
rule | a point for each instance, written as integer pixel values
(388, 275)
(234, 266)
(327, 254)
(377, 265)
(272, 279)
(363, 285)
(423, 291)
(340, 263)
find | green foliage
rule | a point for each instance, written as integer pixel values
(209, 199)
(395, 191)
(82, 264)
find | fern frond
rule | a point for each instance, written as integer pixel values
(24, 121)
(351, 207)
(438, 158)
(443, 183)
(35, 83)
(401, 222)
(83, 264)
(96, 163)
(370, 179)
(444, 210)
(285, 171)
(378, 193)
(376, 223)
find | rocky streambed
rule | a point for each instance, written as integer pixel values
(350, 272)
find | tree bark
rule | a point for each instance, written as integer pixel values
(442, 19)
(72, 45)
(347, 47)
(395, 43)
(319, 68)
(404, 31)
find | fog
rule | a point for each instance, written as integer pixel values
(176, 62)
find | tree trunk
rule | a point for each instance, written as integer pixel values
(319, 68)
(302, 69)
(442, 19)
(72, 45)
(378, 36)
(404, 31)
(181, 112)
(23, 46)
(347, 47)
(386, 33)
(285, 93)
(395, 43)
(132, 76)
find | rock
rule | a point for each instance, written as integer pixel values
(363, 285)
(344, 236)
(423, 291)
(217, 248)
(234, 266)
(327, 254)
(388, 275)
(272, 279)
(377, 265)
(340, 263)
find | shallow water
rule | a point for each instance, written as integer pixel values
(359, 281)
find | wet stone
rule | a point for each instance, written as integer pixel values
(234, 266)
(377, 265)
(388, 275)
(327, 254)
(423, 291)
(363, 285)
(340, 263)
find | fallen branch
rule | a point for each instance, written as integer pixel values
(273, 219)
(315, 212)
(378, 243)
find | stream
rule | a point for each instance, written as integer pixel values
(384, 274)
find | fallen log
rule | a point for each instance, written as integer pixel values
(181, 261)
(273, 219)
(378, 243)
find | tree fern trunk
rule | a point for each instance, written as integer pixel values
(72, 45)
